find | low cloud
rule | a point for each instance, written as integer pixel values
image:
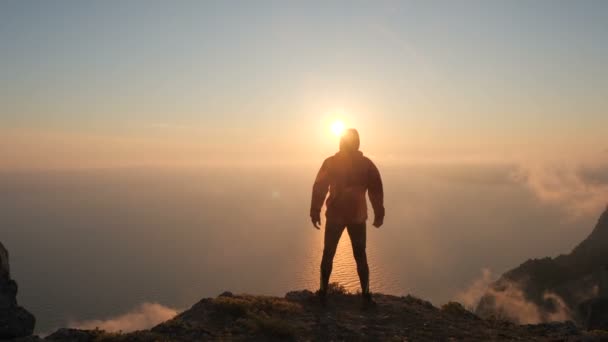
(145, 316)
(510, 302)
(562, 312)
(470, 297)
(579, 187)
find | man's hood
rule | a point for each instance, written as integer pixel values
(349, 154)
(349, 142)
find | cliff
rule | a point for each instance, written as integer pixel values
(571, 286)
(15, 321)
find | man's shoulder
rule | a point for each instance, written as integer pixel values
(368, 160)
(329, 159)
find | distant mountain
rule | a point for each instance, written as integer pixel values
(569, 287)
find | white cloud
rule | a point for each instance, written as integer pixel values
(573, 185)
(145, 316)
(511, 303)
(470, 297)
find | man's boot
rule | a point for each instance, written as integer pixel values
(324, 284)
(368, 301)
(322, 294)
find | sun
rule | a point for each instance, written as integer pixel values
(337, 128)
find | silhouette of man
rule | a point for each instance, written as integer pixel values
(347, 175)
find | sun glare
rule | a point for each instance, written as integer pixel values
(337, 128)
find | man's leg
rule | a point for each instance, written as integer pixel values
(332, 236)
(357, 234)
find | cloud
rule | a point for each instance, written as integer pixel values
(145, 316)
(562, 312)
(579, 187)
(470, 297)
(510, 302)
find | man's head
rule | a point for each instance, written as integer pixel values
(349, 141)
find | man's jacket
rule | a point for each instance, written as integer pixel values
(347, 175)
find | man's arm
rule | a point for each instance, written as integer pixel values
(376, 194)
(319, 191)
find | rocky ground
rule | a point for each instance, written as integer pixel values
(300, 317)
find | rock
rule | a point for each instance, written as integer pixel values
(4, 266)
(226, 294)
(554, 329)
(595, 314)
(298, 296)
(74, 335)
(456, 309)
(15, 321)
(8, 293)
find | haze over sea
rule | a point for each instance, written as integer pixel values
(93, 244)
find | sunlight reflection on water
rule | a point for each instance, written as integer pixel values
(345, 269)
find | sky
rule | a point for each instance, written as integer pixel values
(487, 120)
(122, 83)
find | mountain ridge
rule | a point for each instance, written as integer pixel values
(562, 287)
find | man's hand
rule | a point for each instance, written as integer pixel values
(378, 221)
(316, 220)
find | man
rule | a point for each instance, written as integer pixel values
(347, 175)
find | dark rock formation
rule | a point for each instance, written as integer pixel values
(572, 286)
(15, 321)
(75, 335)
(4, 266)
(594, 313)
(300, 317)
